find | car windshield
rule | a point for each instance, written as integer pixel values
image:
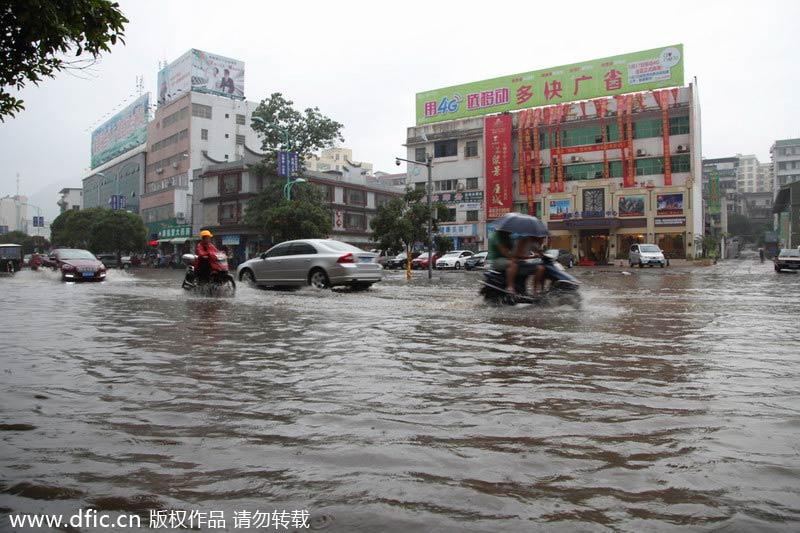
(10, 252)
(66, 255)
(649, 248)
(789, 252)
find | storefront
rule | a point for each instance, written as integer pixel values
(670, 236)
(464, 236)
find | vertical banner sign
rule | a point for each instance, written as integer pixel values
(294, 164)
(619, 100)
(521, 150)
(600, 109)
(549, 115)
(283, 164)
(714, 203)
(537, 162)
(631, 152)
(122, 202)
(662, 97)
(528, 160)
(499, 167)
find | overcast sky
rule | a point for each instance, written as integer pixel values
(362, 62)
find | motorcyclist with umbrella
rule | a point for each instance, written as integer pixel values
(504, 257)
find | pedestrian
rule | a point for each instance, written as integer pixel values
(761, 254)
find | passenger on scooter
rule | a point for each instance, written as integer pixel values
(206, 252)
(502, 257)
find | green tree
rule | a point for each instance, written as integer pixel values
(305, 216)
(443, 244)
(99, 230)
(36, 35)
(402, 222)
(29, 243)
(309, 131)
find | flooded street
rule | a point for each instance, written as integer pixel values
(671, 401)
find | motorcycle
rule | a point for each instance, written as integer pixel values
(219, 283)
(561, 288)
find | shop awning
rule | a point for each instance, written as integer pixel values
(177, 240)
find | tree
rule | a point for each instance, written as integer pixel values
(305, 216)
(29, 243)
(402, 222)
(99, 230)
(308, 131)
(34, 33)
(443, 244)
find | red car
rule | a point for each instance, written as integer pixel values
(76, 265)
(421, 262)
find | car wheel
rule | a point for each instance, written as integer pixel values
(318, 279)
(126, 266)
(458, 265)
(247, 277)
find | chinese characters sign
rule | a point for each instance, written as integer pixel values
(714, 202)
(175, 232)
(498, 166)
(637, 71)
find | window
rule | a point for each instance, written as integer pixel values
(648, 167)
(472, 216)
(471, 149)
(356, 221)
(229, 183)
(301, 248)
(203, 135)
(382, 199)
(240, 120)
(355, 197)
(680, 163)
(240, 139)
(588, 171)
(445, 185)
(451, 215)
(678, 125)
(227, 136)
(420, 186)
(277, 251)
(419, 155)
(227, 115)
(175, 117)
(445, 148)
(472, 183)
(647, 128)
(200, 110)
(228, 212)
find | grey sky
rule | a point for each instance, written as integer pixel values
(362, 62)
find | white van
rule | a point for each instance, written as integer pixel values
(646, 254)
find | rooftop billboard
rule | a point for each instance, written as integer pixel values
(122, 132)
(627, 73)
(202, 72)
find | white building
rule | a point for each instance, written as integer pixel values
(71, 199)
(13, 214)
(785, 163)
(339, 160)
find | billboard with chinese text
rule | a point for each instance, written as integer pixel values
(631, 206)
(202, 72)
(669, 204)
(122, 132)
(626, 73)
(498, 166)
(559, 209)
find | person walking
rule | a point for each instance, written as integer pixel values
(761, 254)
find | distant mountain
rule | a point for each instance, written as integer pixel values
(47, 197)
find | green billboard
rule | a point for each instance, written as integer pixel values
(627, 73)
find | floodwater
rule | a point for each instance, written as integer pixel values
(670, 402)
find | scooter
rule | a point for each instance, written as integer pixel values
(561, 288)
(219, 283)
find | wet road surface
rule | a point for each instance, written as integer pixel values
(670, 402)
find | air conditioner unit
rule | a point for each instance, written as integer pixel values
(460, 186)
(576, 159)
(159, 170)
(175, 165)
(683, 148)
(179, 215)
(640, 153)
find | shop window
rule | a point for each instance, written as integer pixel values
(447, 148)
(672, 244)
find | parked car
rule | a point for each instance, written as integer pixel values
(399, 261)
(476, 261)
(564, 257)
(321, 263)
(788, 258)
(110, 261)
(421, 262)
(646, 254)
(455, 259)
(76, 265)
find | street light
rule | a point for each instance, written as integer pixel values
(286, 148)
(429, 164)
(287, 189)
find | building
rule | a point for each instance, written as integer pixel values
(13, 214)
(785, 156)
(606, 152)
(71, 199)
(121, 177)
(390, 180)
(339, 160)
(201, 119)
(757, 207)
(787, 215)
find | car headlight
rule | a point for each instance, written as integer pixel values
(67, 268)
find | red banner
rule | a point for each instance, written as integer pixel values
(521, 118)
(662, 97)
(537, 162)
(620, 101)
(631, 162)
(499, 166)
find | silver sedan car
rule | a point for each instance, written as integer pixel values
(321, 263)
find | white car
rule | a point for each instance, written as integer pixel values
(646, 254)
(455, 259)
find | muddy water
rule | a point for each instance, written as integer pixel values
(669, 402)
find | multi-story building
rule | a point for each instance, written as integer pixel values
(747, 173)
(785, 163)
(787, 215)
(122, 176)
(201, 119)
(391, 180)
(339, 160)
(13, 214)
(764, 182)
(71, 199)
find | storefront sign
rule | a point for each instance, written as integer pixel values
(459, 230)
(673, 221)
(559, 209)
(631, 206)
(230, 240)
(498, 165)
(470, 206)
(669, 204)
(174, 232)
(592, 223)
(456, 197)
(714, 201)
(626, 73)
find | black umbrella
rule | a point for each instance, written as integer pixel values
(521, 224)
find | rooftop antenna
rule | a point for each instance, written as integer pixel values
(17, 184)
